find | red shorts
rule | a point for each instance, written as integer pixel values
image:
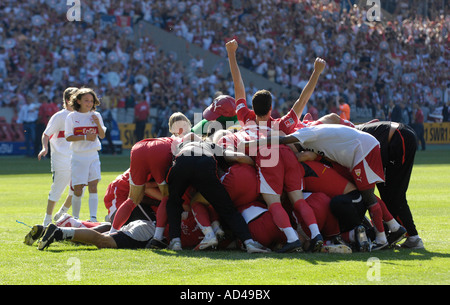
(367, 173)
(241, 182)
(322, 178)
(285, 174)
(264, 231)
(116, 194)
(327, 223)
(150, 156)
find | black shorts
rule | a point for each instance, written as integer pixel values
(124, 241)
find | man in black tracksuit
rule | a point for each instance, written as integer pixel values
(398, 144)
(196, 164)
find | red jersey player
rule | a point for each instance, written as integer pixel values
(277, 170)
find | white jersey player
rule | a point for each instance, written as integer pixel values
(83, 128)
(60, 158)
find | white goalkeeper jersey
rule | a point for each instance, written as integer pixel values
(78, 123)
(60, 151)
(344, 145)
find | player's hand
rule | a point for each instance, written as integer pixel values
(91, 136)
(95, 119)
(42, 153)
(319, 65)
(231, 46)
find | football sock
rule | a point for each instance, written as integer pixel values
(76, 206)
(93, 205)
(63, 210)
(302, 210)
(314, 228)
(377, 217)
(159, 233)
(123, 213)
(47, 220)
(67, 233)
(281, 220)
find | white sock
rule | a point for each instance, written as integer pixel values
(47, 220)
(67, 233)
(76, 206)
(159, 231)
(380, 237)
(290, 233)
(93, 205)
(393, 225)
(314, 228)
(208, 232)
(63, 210)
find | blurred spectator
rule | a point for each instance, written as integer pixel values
(28, 116)
(141, 115)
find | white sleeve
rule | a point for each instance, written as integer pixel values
(68, 130)
(52, 124)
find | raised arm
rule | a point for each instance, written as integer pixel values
(300, 104)
(239, 89)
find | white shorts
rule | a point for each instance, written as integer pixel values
(85, 168)
(61, 179)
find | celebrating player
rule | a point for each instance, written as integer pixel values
(276, 172)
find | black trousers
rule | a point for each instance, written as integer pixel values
(201, 173)
(402, 150)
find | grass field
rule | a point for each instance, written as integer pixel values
(24, 186)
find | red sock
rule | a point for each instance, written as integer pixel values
(376, 214)
(161, 213)
(387, 216)
(201, 214)
(123, 213)
(302, 210)
(279, 215)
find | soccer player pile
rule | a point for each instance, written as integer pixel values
(240, 179)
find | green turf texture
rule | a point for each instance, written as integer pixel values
(24, 187)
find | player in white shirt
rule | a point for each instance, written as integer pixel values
(83, 128)
(356, 151)
(60, 158)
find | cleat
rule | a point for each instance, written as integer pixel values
(175, 245)
(156, 244)
(413, 243)
(363, 243)
(316, 243)
(36, 232)
(342, 249)
(395, 237)
(377, 246)
(207, 243)
(50, 235)
(256, 247)
(295, 246)
(63, 220)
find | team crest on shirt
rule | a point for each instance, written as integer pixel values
(358, 172)
(289, 122)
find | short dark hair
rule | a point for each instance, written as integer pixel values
(262, 102)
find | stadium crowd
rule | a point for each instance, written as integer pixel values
(402, 59)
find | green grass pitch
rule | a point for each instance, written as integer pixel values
(25, 183)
